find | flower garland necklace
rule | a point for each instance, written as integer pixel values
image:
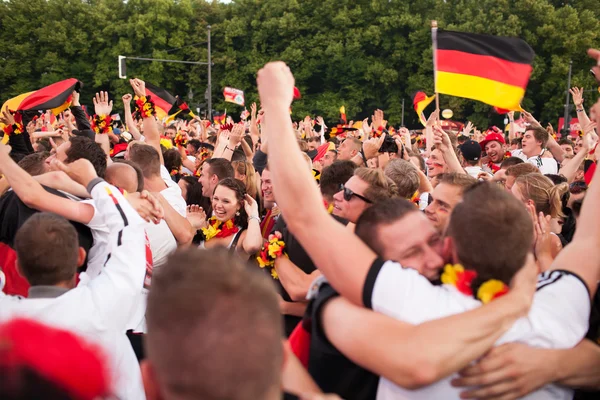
(271, 251)
(461, 278)
(218, 229)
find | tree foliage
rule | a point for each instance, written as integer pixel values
(364, 54)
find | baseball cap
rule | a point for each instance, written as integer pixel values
(471, 150)
(492, 136)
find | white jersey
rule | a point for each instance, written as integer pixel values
(558, 319)
(545, 165)
(100, 310)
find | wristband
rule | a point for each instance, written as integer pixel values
(145, 106)
(579, 109)
(102, 124)
(254, 217)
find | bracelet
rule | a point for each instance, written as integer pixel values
(254, 217)
(145, 106)
(229, 148)
(579, 109)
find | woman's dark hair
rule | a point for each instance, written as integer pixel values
(194, 193)
(239, 188)
(173, 163)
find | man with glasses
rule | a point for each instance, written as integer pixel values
(367, 186)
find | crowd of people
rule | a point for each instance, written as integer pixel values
(266, 258)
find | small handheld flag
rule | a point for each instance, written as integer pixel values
(420, 102)
(235, 96)
(492, 69)
(343, 114)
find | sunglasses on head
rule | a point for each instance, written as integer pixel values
(577, 187)
(349, 193)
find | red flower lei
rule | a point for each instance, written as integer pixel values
(271, 250)
(180, 140)
(14, 129)
(145, 106)
(462, 279)
(101, 124)
(219, 229)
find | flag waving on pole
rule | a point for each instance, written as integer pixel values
(420, 102)
(492, 69)
(343, 114)
(235, 96)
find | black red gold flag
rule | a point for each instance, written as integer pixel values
(219, 118)
(420, 102)
(492, 69)
(55, 97)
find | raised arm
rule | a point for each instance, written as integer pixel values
(129, 123)
(570, 170)
(35, 196)
(149, 124)
(582, 255)
(334, 246)
(442, 141)
(413, 356)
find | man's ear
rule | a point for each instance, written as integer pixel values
(81, 257)
(149, 380)
(448, 251)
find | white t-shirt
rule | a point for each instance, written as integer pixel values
(173, 192)
(99, 311)
(558, 318)
(474, 171)
(99, 250)
(545, 165)
(187, 171)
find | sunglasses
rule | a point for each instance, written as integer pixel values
(349, 193)
(577, 187)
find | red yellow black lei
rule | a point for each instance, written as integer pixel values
(101, 124)
(271, 251)
(180, 140)
(462, 279)
(219, 229)
(376, 133)
(495, 168)
(145, 106)
(14, 129)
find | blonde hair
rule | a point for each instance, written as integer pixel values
(246, 168)
(380, 186)
(545, 195)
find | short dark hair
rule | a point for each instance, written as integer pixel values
(194, 193)
(405, 176)
(195, 143)
(34, 163)
(173, 161)
(492, 232)
(221, 168)
(335, 175)
(384, 212)
(540, 134)
(47, 249)
(567, 141)
(517, 141)
(228, 315)
(82, 147)
(380, 186)
(138, 172)
(147, 158)
(460, 180)
(509, 161)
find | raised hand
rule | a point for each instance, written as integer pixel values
(441, 138)
(138, 86)
(378, 121)
(433, 118)
(275, 86)
(101, 104)
(530, 119)
(550, 129)
(196, 216)
(371, 147)
(7, 118)
(467, 129)
(235, 137)
(253, 112)
(147, 206)
(577, 94)
(127, 99)
(75, 99)
(250, 206)
(366, 127)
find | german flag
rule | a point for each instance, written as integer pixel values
(343, 114)
(492, 69)
(166, 104)
(219, 118)
(420, 102)
(56, 97)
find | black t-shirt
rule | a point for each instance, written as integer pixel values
(14, 213)
(593, 335)
(300, 258)
(331, 370)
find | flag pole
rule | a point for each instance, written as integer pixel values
(434, 42)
